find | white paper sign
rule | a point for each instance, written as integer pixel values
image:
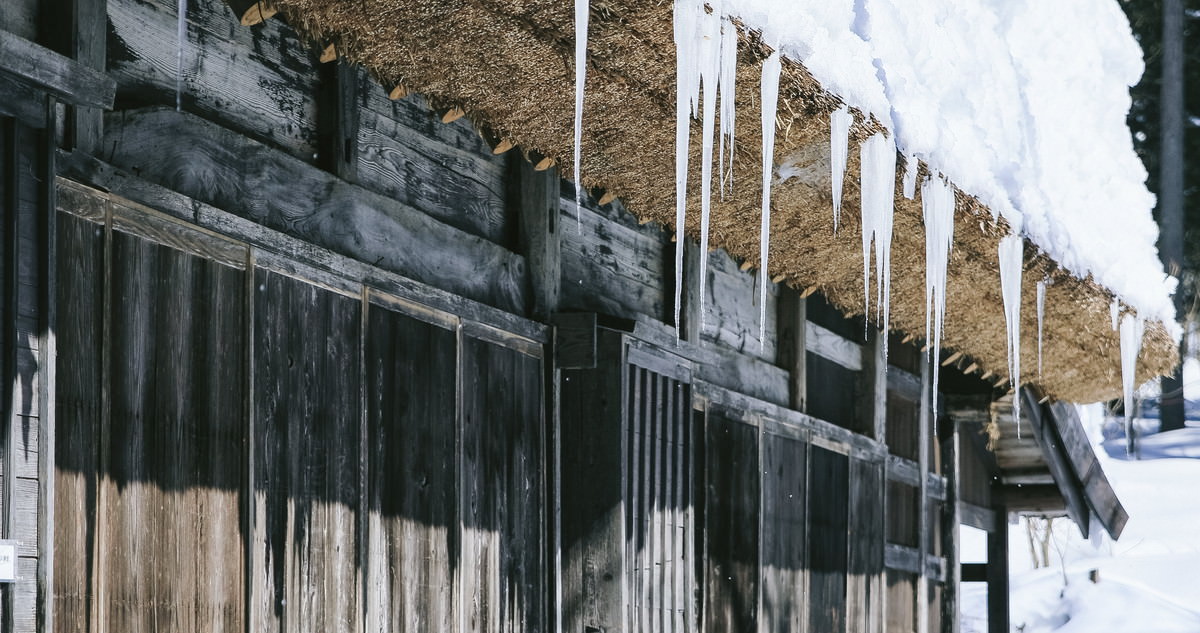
(8, 561)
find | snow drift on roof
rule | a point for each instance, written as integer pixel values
(1021, 103)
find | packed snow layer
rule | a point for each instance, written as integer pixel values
(1021, 103)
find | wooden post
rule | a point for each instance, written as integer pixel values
(337, 120)
(692, 278)
(78, 29)
(874, 384)
(950, 522)
(791, 352)
(924, 423)
(47, 372)
(997, 572)
(534, 199)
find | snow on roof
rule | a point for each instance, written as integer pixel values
(1021, 103)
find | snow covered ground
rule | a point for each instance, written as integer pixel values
(1148, 581)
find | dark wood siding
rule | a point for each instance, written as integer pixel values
(829, 478)
(391, 460)
(785, 527)
(306, 468)
(732, 513)
(412, 532)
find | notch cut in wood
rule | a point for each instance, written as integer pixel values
(329, 54)
(746, 265)
(544, 164)
(503, 146)
(251, 12)
(808, 292)
(778, 278)
(453, 114)
(607, 198)
(399, 92)
(953, 357)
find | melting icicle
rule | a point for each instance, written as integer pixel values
(181, 44)
(686, 18)
(1131, 345)
(1114, 312)
(770, 103)
(727, 81)
(937, 206)
(1012, 255)
(710, 71)
(1041, 310)
(582, 8)
(839, 140)
(910, 176)
(878, 184)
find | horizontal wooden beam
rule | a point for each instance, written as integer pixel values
(978, 517)
(824, 342)
(65, 78)
(1040, 499)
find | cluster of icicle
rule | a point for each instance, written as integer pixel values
(706, 65)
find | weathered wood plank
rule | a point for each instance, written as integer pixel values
(412, 530)
(337, 119)
(189, 155)
(609, 267)
(502, 499)
(20, 17)
(901, 601)
(260, 81)
(827, 540)
(306, 417)
(732, 504)
(731, 310)
(791, 350)
(461, 188)
(175, 452)
(22, 101)
(81, 303)
(784, 521)
(63, 77)
(864, 591)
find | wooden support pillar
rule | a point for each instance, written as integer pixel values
(924, 424)
(997, 573)
(873, 383)
(337, 119)
(948, 435)
(78, 29)
(534, 198)
(792, 351)
(692, 278)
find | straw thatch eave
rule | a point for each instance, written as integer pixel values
(509, 65)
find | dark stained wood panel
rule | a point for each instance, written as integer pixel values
(412, 532)
(78, 401)
(502, 499)
(307, 456)
(903, 430)
(829, 480)
(610, 267)
(904, 507)
(731, 514)
(864, 599)
(833, 393)
(784, 525)
(175, 444)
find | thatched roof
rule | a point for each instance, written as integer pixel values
(509, 65)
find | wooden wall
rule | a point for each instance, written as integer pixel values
(25, 339)
(248, 441)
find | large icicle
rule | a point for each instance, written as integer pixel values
(1131, 347)
(1041, 310)
(728, 80)
(709, 40)
(839, 142)
(180, 46)
(582, 9)
(770, 102)
(1012, 256)
(878, 184)
(937, 206)
(686, 18)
